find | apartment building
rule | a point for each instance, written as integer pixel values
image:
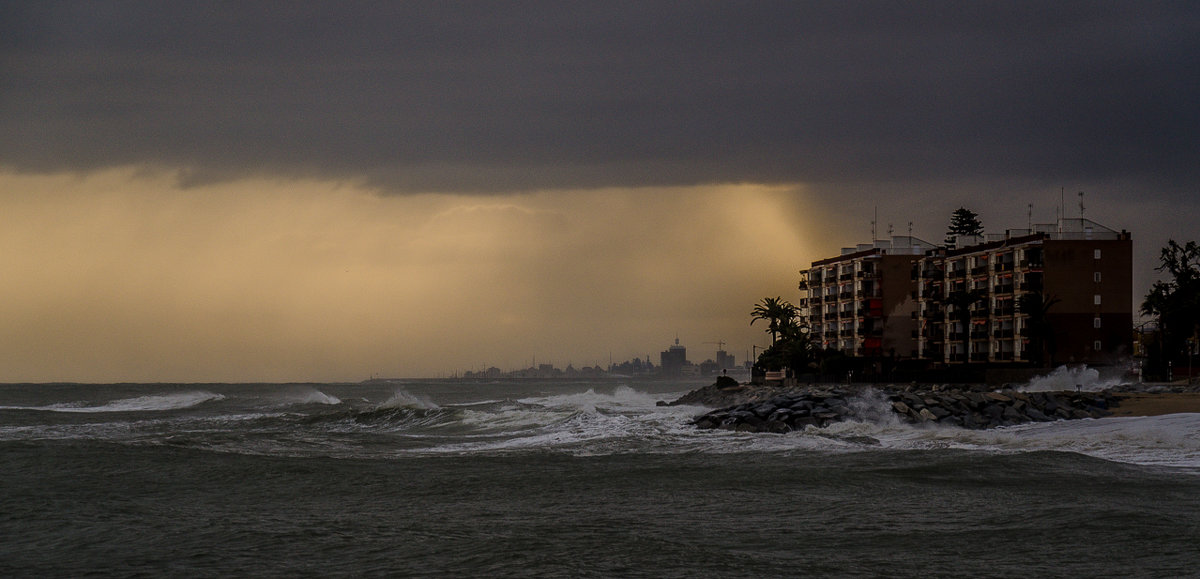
(1053, 294)
(861, 302)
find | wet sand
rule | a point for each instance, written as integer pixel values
(1156, 404)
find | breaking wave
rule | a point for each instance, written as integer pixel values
(151, 403)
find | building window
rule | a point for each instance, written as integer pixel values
(1096, 322)
(1096, 277)
(1096, 299)
(1096, 254)
(1097, 345)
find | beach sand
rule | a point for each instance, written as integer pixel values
(1156, 404)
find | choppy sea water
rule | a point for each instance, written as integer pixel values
(568, 479)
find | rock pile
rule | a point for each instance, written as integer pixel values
(964, 408)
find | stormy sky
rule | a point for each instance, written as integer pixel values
(324, 191)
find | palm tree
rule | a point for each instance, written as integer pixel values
(1041, 334)
(962, 300)
(778, 313)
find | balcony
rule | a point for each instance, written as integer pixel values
(958, 273)
(1004, 356)
(1003, 289)
(932, 313)
(933, 274)
(847, 333)
(1003, 266)
(1003, 311)
(1031, 264)
(846, 277)
(1003, 334)
(980, 270)
(831, 316)
(979, 313)
(845, 295)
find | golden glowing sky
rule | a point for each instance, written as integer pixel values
(122, 275)
(193, 191)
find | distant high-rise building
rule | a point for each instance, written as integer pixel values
(673, 359)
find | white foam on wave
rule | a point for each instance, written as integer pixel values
(309, 395)
(1070, 378)
(1171, 440)
(623, 398)
(150, 403)
(582, 423)
(403, 399)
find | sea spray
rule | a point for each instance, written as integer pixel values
(149, 403)
(403, 399)
(1065, 378)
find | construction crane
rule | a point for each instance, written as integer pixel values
(720, 345)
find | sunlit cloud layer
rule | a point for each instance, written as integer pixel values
(125, 276)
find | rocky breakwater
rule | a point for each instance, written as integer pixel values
(964, 408)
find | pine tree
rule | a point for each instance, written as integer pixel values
(963, 222)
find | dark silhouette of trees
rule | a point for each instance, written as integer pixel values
(791, 346)
(778, 313)
(963, 222)
(1175, 303)
(962, 300)
(1036, 307)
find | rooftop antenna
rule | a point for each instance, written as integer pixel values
(873, 222)
(1029, 219)
(889, 230)
(910, 231)
(1062, 207)
(1081, 205)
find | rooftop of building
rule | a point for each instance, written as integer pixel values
(1077, 228)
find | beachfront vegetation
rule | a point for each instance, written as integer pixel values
(963, 222)
(1175, 304)
(790, 343)
(779, 314)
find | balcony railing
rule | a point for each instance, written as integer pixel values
(1002, 334)
(1003, 266)
(1003, 289)
(1002, 311)
(980, 270)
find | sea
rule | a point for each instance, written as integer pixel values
(568, 478)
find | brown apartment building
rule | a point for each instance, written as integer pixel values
(906, 299)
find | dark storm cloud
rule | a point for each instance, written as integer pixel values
(517, 95)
